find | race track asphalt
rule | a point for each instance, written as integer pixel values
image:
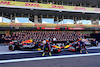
(90, 61)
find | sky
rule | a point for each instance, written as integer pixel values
(22, 20)
(84, 21)
(6, 20)
(45, 20)
(50, 20)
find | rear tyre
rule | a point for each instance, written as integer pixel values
(96, 44)
(55, 50)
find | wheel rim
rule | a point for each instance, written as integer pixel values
(10, 48)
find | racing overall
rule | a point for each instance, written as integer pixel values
(82, 46)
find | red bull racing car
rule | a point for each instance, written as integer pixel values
(17, 45)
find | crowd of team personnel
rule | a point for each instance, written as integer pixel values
(39, 36)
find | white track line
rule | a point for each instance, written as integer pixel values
(51, 57)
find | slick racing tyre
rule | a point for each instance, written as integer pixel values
(96, 44)
(11, 47)
(55, 50)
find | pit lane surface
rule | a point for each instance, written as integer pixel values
(89, 61)
(39, 54)
(33, 54)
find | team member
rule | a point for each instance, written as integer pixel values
(46, 47)
(2, 40)
(82, 45)
(54, 40)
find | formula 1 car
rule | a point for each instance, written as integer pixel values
(17, 45)
(56, 49)
(91, 42)
(94, 43)
(26, 45)
(73, 47)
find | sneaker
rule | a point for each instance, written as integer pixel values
(43, 54)
(86, 52)
(50, 53)
(80, 51)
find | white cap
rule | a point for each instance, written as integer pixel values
(44, 42)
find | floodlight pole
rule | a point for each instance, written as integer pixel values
(2, 17)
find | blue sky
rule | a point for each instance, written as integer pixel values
(6, 20)
(84, 21)
(46, 20)
(22, 20)
(50, 20)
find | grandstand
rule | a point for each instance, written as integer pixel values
(57, 17)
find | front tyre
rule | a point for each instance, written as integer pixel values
(96, 44)
(11, 47)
